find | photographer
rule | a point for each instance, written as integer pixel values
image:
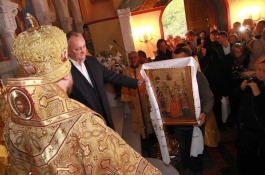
(236, 63)
(251, 136)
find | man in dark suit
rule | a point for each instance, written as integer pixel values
(89, 77)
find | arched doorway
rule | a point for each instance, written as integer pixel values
(174, 19)
(200, 14)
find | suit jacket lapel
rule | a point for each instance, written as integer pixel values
(81, 78)
(90, 71)
(81, 83)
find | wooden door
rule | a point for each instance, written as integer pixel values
(200, 15)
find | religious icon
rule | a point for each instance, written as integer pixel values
(174, 92)
(20, 104)
(21, 109)
(174, 97)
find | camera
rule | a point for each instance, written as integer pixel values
(242, 29)
(252, 79)
(237, 68)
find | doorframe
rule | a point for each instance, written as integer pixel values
(215, 6)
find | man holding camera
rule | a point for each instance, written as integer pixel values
(251, 135)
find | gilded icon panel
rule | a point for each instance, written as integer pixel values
(172, 88)
(20, 104)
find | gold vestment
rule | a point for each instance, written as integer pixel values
(212, 134)
(59, 135)
(140, 113)
(4, 114)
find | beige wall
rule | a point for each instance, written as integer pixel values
(98, 10)
(149, 20)
(103, 34)
(239, 9)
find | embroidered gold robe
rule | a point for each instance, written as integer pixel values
(212, 134)
(140, 112)
(4, 114)
(62, 136)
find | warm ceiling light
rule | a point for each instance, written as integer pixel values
(251, 12)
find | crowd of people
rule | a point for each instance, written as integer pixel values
(231, 64)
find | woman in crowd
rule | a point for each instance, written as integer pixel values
(236, 62)
(251, 136)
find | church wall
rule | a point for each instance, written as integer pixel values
(243, 9)
(103, 33)
(98, 10)
(103, 10)
(147, 20)
(222, 17)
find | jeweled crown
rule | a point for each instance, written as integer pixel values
(42, 52)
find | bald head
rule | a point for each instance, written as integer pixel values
(134, 58)
(76, 47)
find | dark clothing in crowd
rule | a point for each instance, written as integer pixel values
(251, 136)
(184, 133)
(235, 66)
(163, 56)
(214, 68)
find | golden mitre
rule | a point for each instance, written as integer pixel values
(42, 52)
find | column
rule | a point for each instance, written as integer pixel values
(42, 12)
(8, 12)
(126, 30)
(64, 15)
(75, 11)
(86, 12)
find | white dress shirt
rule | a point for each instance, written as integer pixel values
(82, 69)
(227, 49)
